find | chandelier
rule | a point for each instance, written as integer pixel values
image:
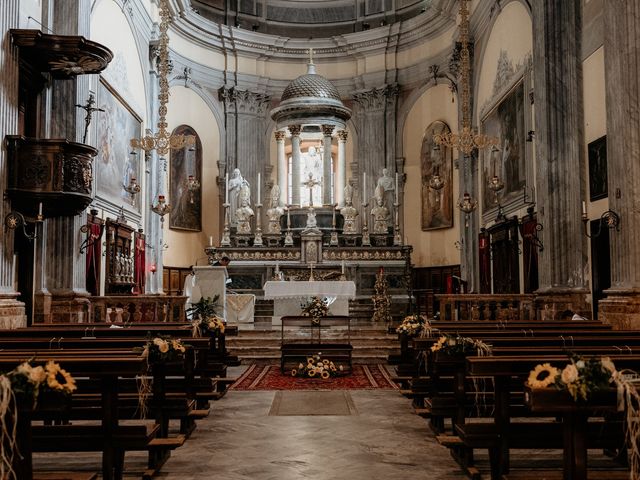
(162, 142)
(466, 140)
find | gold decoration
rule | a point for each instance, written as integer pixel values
(163, 141)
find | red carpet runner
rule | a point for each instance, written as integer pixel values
(268, 377)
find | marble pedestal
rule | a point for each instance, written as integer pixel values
(242, 240)
(380, 240)
(12, 312)
(272, 240)
(70, 307)
(350, 240)
(621, 309)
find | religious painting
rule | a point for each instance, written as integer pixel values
(115, 166)
(185, 184)
(598, 169)
(507, 123)
(437, 205)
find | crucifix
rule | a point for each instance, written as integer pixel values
(89, 108)
(310, 183)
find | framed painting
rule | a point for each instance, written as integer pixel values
(506, 121)
(598, 169)
(437, 205)
(186, 213)
(115, 166)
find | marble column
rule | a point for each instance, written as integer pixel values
(622, 39)
(295, 164)
(327, 132)
(341, 171)
(60, 283)
(282, 166)
(11, 310)
(559, 148)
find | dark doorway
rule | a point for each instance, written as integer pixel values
(504, 254)
(600, 262)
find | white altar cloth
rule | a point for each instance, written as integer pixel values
(240, 308)
(288, 296)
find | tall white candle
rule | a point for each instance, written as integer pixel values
(226, 188)
(40, 209)
(584, 208)
(288, 216)
(211, 241)
(397, 191)
(258, 200)
(343, 267)
(364, 187)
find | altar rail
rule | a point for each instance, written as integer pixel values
(486, 307)
(137, 308)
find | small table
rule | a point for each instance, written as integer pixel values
(288, 295)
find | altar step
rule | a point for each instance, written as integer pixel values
(370, 345)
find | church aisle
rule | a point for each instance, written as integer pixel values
(382, 439)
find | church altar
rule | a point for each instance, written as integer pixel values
(288, 296)
(240, 307)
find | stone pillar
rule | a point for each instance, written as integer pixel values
(327, 131)
(341, 171)
(64, 275)
(295, 164)
(622, 41)
(559, 149)
(11, 310)
(282, 166)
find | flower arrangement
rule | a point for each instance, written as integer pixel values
(204, 308)
(315, 308)
(163, 349)
(412, 325)
(26, 382)
(316, 367)
(580, 377)
(458, 345)
(212, 326)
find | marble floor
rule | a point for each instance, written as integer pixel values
(381, 440)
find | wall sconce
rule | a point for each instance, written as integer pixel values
(610, 218)
(132, 189)
(467, 205)
(153, 268)
(161, 208)
(459, 244)
(14, 220)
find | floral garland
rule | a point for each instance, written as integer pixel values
(458, 345)
(580, 377)
(28, 383)
(315, 308)
(213, 326)
(163, 349)
(412, 325)
(317, 367)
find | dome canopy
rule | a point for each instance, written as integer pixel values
(311, 98)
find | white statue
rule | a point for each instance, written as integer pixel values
(275, 211)
(348, 212)
(380, 213)
(236, 182)
(244, 212)
(386, 182)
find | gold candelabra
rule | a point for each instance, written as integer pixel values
(162, 142)
(161, 208)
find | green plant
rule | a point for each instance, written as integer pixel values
(204, 308)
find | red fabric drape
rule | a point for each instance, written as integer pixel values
(139, 263)
(484, 257)
(94, 252)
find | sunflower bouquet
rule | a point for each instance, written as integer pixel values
(458, 345)
(317, 367)
(212, 326)
(580, 377)
(315, 308)
(163, 349)
(412, 325)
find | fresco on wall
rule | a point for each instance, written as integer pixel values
(115, 127)
(187, 205)
(437, 205)
(598, 169)
(506, 122)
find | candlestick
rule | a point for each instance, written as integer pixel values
(226, 188)
(364, 187)
(397, 191)
(584, 209)
(259, 188)
(288, 216)
(333, 218)
(211, 241)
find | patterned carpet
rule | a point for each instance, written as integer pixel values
(268, 377)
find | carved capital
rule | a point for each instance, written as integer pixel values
(295, 130)
(280, 135)
(327, 130)
(342, 135)
(377, 98)
(244, 101)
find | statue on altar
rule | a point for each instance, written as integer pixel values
(380, 213)
(311, 214)
(348, 212)
(236, 184)
(275, 211)
(244, 212)
(386, 182)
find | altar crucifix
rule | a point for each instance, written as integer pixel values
(311, 215)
